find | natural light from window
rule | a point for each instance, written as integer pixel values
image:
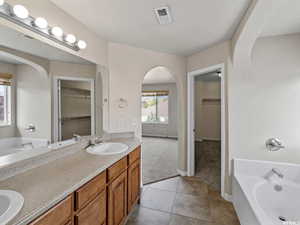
(5, 105)
(155, 107)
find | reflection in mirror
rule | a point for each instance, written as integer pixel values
(46, 96)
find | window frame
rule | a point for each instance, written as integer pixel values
(157, 93)
(7, 107)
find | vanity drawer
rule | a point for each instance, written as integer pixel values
(59, 214)
(90, 190)
(135, 155)
(94, 212)
(116, 169)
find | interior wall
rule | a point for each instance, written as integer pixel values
(10, 131)
(264, 101)
(163, 130)
(125, 81)
(207, 109)
(33, 102)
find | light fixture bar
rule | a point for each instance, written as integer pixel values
(6, 12)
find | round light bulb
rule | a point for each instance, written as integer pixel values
(81, 44)
(20, 11)
(57, 31)
(70, 38)
(41, 23)
(1, 2)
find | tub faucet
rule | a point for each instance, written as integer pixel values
(274, 144)
(277, 172)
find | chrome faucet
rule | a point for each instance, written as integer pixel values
(30, 128)
(277, 172)
(274, 144)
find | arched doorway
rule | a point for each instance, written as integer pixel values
(159, 117)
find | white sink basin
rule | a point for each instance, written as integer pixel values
(108, 148)
(11, 203)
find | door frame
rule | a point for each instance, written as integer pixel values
(56, 101)
(191, 120)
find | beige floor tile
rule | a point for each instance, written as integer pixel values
(196, 207)
(158, 199)
(223, 212)
(192, 186)
(182, 220)
(167, 185)
(144, 216)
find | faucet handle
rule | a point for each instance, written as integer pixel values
(274, 144)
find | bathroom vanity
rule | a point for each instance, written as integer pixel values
(80, 189)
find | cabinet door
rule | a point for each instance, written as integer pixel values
(94, 213)
(134, 180)
(117, 200)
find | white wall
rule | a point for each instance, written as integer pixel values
(33, 102)
(207, 114)
(163, 130)
(128, 66)
(9, 131)
(264, 101)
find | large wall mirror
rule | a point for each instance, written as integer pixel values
(47, 96)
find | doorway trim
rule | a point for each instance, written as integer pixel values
(191, 120)
(56, 108)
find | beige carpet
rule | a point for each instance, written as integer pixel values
(159, 158)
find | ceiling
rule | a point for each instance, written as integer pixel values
(284, 21)
(197, 24)
(159, 75)
(16, 40)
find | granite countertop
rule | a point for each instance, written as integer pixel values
(46, 185)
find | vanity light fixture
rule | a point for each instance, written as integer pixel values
(19, 15)
(57, 31)
(20, 11)
(40, 22)
(81, 44)
(70, 38)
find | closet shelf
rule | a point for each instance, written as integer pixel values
(75, 118)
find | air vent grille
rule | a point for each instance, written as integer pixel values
(163, 15)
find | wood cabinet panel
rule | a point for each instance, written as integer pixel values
(116, 169)
(117, 200)
(90, 190)
(94, 213)
(134, 182)
(58, 215)
(135, 155)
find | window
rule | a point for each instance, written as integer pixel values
(155, 107)
(5, 99)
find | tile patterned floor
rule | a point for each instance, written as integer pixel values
(159, 158)
(182, 201)
(208, 163)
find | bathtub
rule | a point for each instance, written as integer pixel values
(19, 144)
(262, 198)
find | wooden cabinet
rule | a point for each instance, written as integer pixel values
(90, 190)
(134, 182)
(94, 213)
(61, 214)
(116, 169)
(117, 200)
(107, 199)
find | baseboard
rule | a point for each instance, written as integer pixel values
(182, 172)
(227, 197)
(159, 136)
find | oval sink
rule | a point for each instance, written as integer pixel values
(11, 203)
(107, 148)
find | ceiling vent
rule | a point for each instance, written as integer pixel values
(163, 15)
